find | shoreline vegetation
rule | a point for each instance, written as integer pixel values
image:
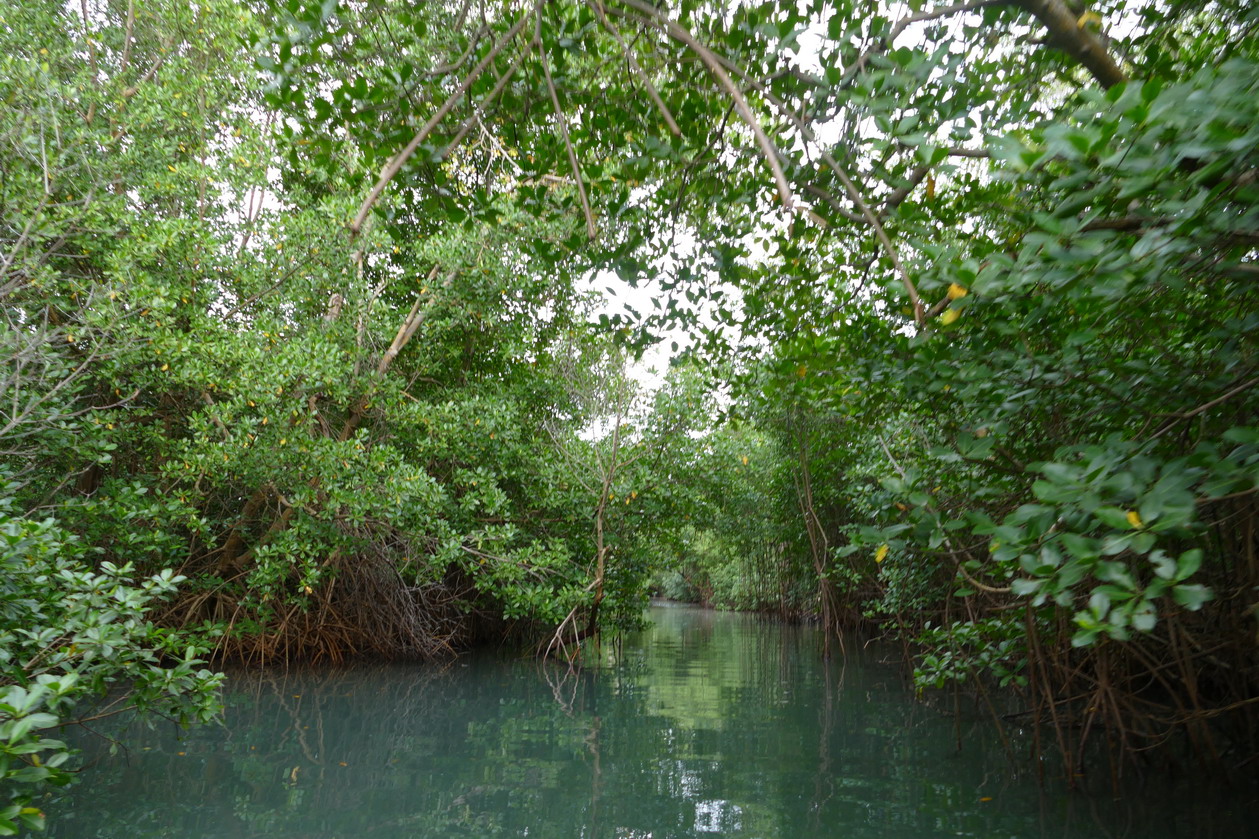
(324, 325)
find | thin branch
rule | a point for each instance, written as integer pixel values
(679, 33)
(246, 303)
(399, 160)
(833, 203)
(1244, 386)
(888, 247)
(933, 14)
(638, 70)
(849, 187)
(91, 57)
(444, 69)
(145, 79)
(209, 401)
(591, 230)
(491, 97)
(898, 196)
(128, 37)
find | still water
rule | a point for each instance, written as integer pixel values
(705, 724)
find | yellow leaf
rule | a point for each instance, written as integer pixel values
(949, 316)
(1134, 518)
(881, 553)
(956, 291)
(745, 460)
(801, 370)
(165, 367)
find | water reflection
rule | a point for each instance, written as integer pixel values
(706, 724)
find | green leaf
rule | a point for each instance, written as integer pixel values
(1188, 564)
(1024, 587)
(1192, 597)
(1113, 517)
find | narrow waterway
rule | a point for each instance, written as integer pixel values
(705, 724)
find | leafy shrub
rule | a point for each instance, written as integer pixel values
(76, 644)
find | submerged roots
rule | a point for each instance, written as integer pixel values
(362, 609)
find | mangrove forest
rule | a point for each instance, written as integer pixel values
(353, 334)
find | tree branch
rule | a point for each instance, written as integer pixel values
(638, 70)
(679, 33)
(399, 160)
(849, 187)
(1075, 40)
(591, 230)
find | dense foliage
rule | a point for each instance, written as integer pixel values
(231, 431)
(299, 329)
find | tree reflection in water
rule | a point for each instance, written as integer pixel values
(704, 724)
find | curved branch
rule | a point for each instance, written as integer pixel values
(713, 63)
(849, 187)
(1075, 40)
(399, 160)
(665, 113)
(591, 231)
(883, 44)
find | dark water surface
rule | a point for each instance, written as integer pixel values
(705, 724)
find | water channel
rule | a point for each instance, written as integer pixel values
(704, 724)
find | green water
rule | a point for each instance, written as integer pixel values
(706, 724)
